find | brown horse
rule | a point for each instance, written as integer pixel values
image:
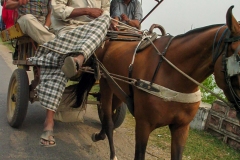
(198, 53)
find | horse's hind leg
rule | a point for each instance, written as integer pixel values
(179, 136)
(142, 132)
(107, 124)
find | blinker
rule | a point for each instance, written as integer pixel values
(233, 63)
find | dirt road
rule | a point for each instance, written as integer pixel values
(73, 139)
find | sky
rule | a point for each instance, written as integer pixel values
(179, 16)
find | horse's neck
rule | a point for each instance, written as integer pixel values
(197, 53)
(192, 53)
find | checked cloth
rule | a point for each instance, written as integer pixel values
(84, 39)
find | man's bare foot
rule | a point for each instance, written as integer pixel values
(79, 59)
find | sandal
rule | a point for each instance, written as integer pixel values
(70, 67)
(47, 136)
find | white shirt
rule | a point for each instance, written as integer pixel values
(61, 9)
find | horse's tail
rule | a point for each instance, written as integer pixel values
(84, 86)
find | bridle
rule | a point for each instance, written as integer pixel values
(230, 65)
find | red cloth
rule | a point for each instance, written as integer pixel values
(8, 16)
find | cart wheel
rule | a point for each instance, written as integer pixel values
(18, 96)
(118, 116)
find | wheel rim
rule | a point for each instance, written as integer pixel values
(12, 99)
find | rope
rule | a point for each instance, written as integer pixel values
(126, 26)
(115, 76)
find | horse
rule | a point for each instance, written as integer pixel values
(197, 54)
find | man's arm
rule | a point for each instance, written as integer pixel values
(115, 14)
(48, 17)
(13, 4)
(62, 11)
(92, 12)
(137, 16)
(105, 5)
(131, 22)
(115, 11)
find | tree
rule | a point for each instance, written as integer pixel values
(210, 84)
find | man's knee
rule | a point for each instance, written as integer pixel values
(25, 20)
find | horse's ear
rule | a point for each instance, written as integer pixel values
(232, 22)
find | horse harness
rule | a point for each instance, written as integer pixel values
(230, 65)
(149, 87)
(144, 42)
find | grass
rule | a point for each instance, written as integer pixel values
(8, 44)
(205, 146)
(200, 145)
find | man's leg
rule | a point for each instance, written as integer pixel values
(49, 122)
(79, 59)
(89, 38)
(71, 65)
(50, 93)
(34, 29)
(48, 126)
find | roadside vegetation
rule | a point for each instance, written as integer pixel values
(211, 84)
(8, 44)
(200, 145)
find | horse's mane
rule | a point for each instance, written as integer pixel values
(197, 30)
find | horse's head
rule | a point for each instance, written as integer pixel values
(228, 70)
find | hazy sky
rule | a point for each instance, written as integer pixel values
(179, 16)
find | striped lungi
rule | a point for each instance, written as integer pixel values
(84, 39)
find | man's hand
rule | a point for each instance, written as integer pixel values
(124, 17)
(94, 12)
(13, 4)
(23, 2)
(114, 25)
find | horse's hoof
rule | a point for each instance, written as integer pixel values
(115, 158)
(93, 137)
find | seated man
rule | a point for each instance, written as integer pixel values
(126, 11)
(81, 27)
(34, 18)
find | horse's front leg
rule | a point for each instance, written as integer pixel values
(179, 136)
(107, 124)
(142, 132)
